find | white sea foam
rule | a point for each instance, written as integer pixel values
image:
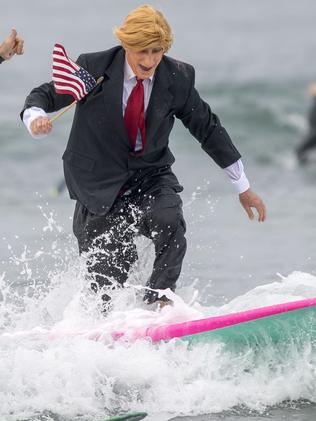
(53, 366)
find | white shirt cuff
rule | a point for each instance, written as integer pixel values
(237, 176)
(29, 115)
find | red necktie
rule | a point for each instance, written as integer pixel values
(134, 116)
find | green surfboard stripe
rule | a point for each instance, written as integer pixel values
(137, 416)
(297, 325)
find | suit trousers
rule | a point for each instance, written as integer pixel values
(107, 240)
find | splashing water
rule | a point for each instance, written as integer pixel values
(53, 366)
(50, 367)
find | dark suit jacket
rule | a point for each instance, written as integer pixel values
(98, 159)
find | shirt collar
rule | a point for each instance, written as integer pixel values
(129, 74)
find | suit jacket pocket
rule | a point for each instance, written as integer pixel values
(78, 160)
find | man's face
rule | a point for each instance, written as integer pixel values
(144, 62)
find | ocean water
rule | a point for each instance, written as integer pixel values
(254, 61)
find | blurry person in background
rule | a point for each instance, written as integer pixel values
(309, 142)
(12, 45)
(117, 162)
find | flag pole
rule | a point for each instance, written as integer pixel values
(63, 111)
(100, 79)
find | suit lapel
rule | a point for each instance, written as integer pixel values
(113, 94)
(158, 106)
(159, 102)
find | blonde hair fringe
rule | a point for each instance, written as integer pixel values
(145, 27)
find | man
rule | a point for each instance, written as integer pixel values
(117, 162)
(309, 141)
(12, 45)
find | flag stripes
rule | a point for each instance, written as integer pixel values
(69, 77)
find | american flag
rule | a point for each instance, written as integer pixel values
(68, 77)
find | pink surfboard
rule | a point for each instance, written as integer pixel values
(275, 322)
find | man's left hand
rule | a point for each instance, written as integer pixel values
(249, 199)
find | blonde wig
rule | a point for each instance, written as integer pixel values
(145, 27)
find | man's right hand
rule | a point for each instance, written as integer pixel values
(41, 125)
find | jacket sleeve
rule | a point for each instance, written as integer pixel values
(45, 97)
(205, 126)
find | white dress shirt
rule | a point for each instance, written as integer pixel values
(235, 171)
